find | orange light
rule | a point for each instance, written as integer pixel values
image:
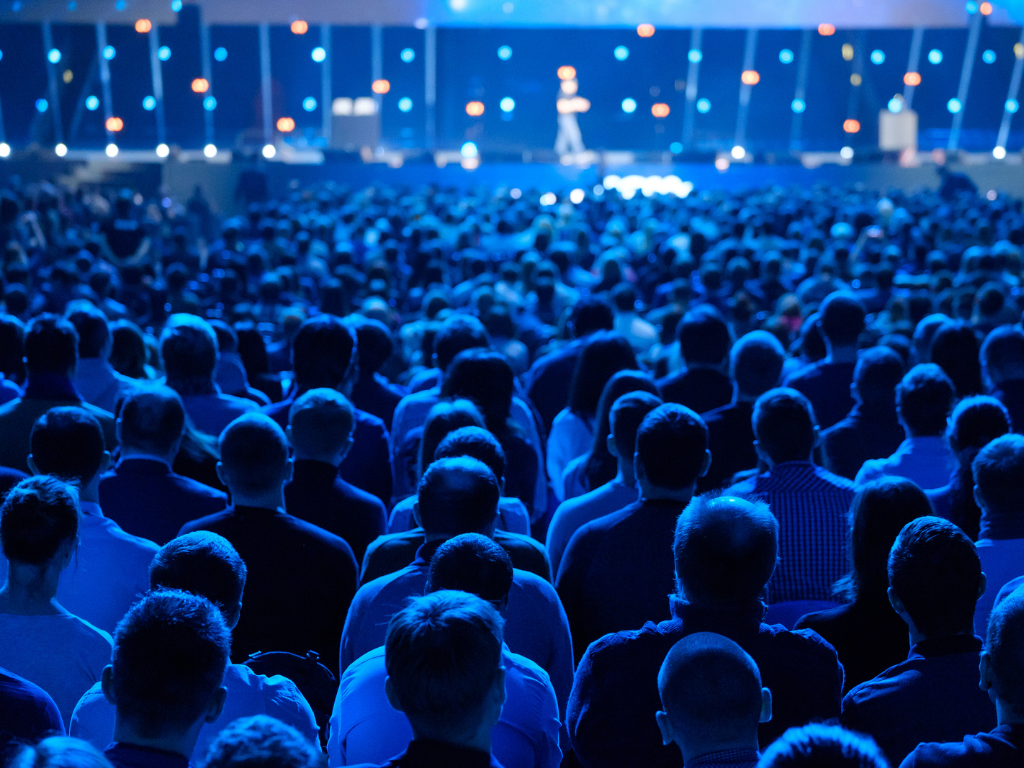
(114, 124)
(200, 85)
(285, 125)
(985, 8)
(142, 26)
(380, 86)
(299, 27)
(826, 29)
(475, 108)
(750, 77)
(851, 125)
(660, 110)
(566, 73)
(912, 78)
(645, 30)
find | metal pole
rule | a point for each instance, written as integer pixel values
(108, 106)
(1004, 126)
(204, 50)
(267, 91)
(965, 82)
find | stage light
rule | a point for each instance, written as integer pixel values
(299, 27)
(109, 52)
(60, 150)
(850, 125)
(577, 196)
(877, 57)
(68, 76)
(750, 77)
(285, 124)
(309, 104)
(1018, 50)
(162, 150)
(221, 54)
(721, 164)
(142, 26)
(566, 72)
(645, 30)
(825, 30)
(504, 53)
(421, 23)
(469, 149)
(548, 198)
(934, 56)
(954, 106)
(405, 104)
(164, 53)
(989, 56)
(786, 56)
(621, 52)
(507, 104)
(407, 55)
(1012, 105)
(209, 103)
(856, 79)
(42, 105)
(660, 110)
(895, 104)
(629, 106)
(342, 106)
(515, 193)
(92, 103)
(912, 78)
(738, 152)
(798, 105)
(210, 150)
(149, 103)
(114, 124)
(1, 55)
(380, 87)
(985, 8)
(458, 5)
(318, 55)
(846, 153)
(175, 5)
(847, 51)
(112, 150)
(694, 56)
(269, 151)
(675, 147)
(991, 195)
(475, 108)
(53, 56)
(971, 7)
(5, 149)
(200, 85)
(999, 153)
(703, 106)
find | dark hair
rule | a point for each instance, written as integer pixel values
(51, 345)
(1005, 646)
(12, 347)
(188, 346)
(203, 563)
(955, 350)
(1002, 354)
(128, 349)
(603, 355)
(254, 452)
(322, 420)
(590, 315)
(262, 741)
(375, 344)
(323, 351)
(458, 495)
(472, 563)
(67, 442)
(671, 446)
(841, 318)
(822, 746)
(457, 334)
(38, 516)
(170, 653)
(628, 413)
(756, 362)
(477, 443)
(999, 475)
(152, 418)
(443, 419)
(93, 329)
(60, 752)
(227, 337)
(935, 571)
(725, 549)
(487, 379)
(784, 425)
(925, 397)
(704, 336)
(878, 372)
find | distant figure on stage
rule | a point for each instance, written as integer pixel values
(569, 139)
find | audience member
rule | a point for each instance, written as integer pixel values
(372, 393)
(27, 714)
(1002, 367)
(704, 341)
(954, 349)
(59, 752)
(261, 741)
(822, 746)
(95, 379)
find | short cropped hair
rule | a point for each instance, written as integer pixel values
(709, 685)
(725, 549)
(1002, 354)
(472, 563)
(935, 571)
(262, 741)
(92, 326)
(477, 443)
(442, 653)
(39, 515)
(68, 442)
(704, 336)
(51, 345)
(170, 653)
(822, 746)
(976, 422)
(323, 352)
(322, 421)
(877, 373)
(1005, 646)
(60, 752)
(203, 563)
(841, 318)
(458, 495)
(457, 334)
(756, 362)
(589, 315)
(925, 398)
(152, 418)
(999, 475)
(254, 451)
(671, 446)
(444, 418)
(784, 425)
(188, 347)
(627, 414)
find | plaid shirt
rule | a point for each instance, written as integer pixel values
(812, 506)
(729, 758)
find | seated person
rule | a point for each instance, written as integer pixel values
(59, 752)
(823, 745)
(261, 740)
(27, 714)
(95, 379)
(704, 341)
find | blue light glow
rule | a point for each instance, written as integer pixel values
(149, 103)
(1012, 105)
(786, 56)
(209, 103)
(621, 52)
(989, 56)
(469, 149)
(318, 54)
(935, 56)
(120, 5)
(507, 104)
(92, 103)
(309, 104)
(175, 5)
(405, 104)
(877, 57)
(53, 56)
(504, 53)
(694, 56)
(72, 5)
(798, 105)
(954, 105)
(675, 147)
(971, 7)
(164, 53)
(895, 105)
(408, 54)
(42, 105)
(703, 106)
(109, 52)
(629, 106)
(220, 54)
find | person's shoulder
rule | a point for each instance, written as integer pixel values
(105, 418)
(194, 487)
(241, 677)
(870, 470)
(805, 644)
(888, 680)
(373, 590)
(837, 481)
(620, 652)
(357, 496)
(801, 375)
(525, 669)
(370, 663)
(744, 487)
(316, 533)
(960, 754)
(89, 637)
(368, 421)
(12, 406)
(209, 522)
(240, 404)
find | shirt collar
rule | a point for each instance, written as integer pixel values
(142, 457)
(946, 646)
(426, 551)
(725, 757)
(438, 754)
(133, 756)
(726, 620)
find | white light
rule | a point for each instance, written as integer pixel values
(175, 5)
(999, 153)
(675, 147)
(786, 56)
(738, 152)
(991, 195)
(221, 54)
(60, 150)
(112, 150)
(628, 186)
(109, 52)
(420, 23)
(504, 53)
(162, 150)
(149, 103)
(694, 56)
(210, 150)
(621, 52)
(5, 149)
(877, 57)
(164, 53)
(269, 151)
(798, 105)
(458, 5)
(507, 104)
(954, 105)
(469, 149)
(598, 189)
(408, 55)
(405, 104)
(515, 193)
(577, 196)
(895, 105)
(318, 54)
(629, 106)
(548, 198)
(703, 106)
(1012, 105)
(935, 56)
(846, 153)
(53, 56)
(309, 104)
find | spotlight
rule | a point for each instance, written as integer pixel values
(895, 104)
(469, 149)
(200, 85)
(5, 149)
(142, 26)
(750, 77)
(798, 105)
(405, 104)
(722, 164)
(114, 124)
(934, 56)
(299, 27)
(660, 110)
(164, 53)
(1012, 105)
(112, 150)
(694, 56)
(210, 150)
(504, 53)
(507, 104)
(629, 106)
(92, 103)
(999, 153)
(912, 78)
(309, 104)
(53, 56)
(380, 87)
(285, 124)
(877, 57)
(786, 56)
(847, 51)
(566, 73)
(318, 54)
(221, 54)
(985, 8)
(149, 103)
(162, 150)
(851, 126)
(738, 152)
(475, 108)
(675, 147)
(577, 196)
(954, 106)
(407, 55)
(826, 30)
(109, 52)
(703, 106)
(645, 30)
(42, 105)
(60, 150)
(621, 52)
(269, 151)
(209, 103)
(846, 153)
(989, 56)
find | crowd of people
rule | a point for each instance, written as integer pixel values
(429, 477)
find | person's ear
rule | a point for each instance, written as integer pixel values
(977, 494)
(416, 514)
(389, 691)
(288, 434)
(222, 474)
(105, 463)
(665, 726)
(985, 669)
(707, 463)
(817, 438)
(638, 468)
(982, 585)
(32, 465)
(216, 707)
(610, 445)
(107, 684)
(766, 706)
(498, 687)
(289, 470)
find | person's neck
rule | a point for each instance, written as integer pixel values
(919, 637)
(743, 397)
(1006, 714)
(176, 742)
(131, 452)
(625, 475)
(692, 749)
(30, 592)
(480, 741)
(840, 354)
(332, 459)
(705, 367)
(90, 491)
(650, 492)
(269, 500)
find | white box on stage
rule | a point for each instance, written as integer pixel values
(897, 130)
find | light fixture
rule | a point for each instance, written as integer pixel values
(210, 150)
(162, 150)
(738, 152)
(269, 151)
(60, 150)
(112, 150)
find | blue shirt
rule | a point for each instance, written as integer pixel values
(573, 514)
(27, 713)
(827, 386)
(928, 461)
(999, 748)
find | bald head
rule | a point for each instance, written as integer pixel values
(253, 455)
